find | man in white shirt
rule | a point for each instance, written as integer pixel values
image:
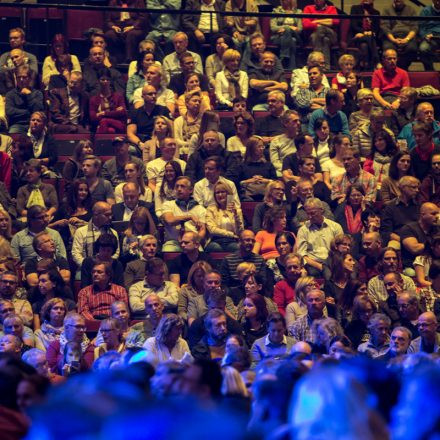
(300, 77)
(315, 236)
(154, 282)
(171, 63)
(156, 167)
(183, 213)
(204, 189)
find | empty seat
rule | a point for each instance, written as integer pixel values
(248, 209)
(66, 142)
(103, 144)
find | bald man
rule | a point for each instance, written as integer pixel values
(372, 246)
(424, 113)
(85, 236)
(416, 235)
(429, 339)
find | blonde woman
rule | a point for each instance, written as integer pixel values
(111, 332)
(231, 82)
(5, 234)
(365, 101)
(297, 308)
(163, 128)
(224, 221)
(233, 384)
(273, 196)
(192, 84)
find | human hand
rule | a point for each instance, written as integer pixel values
(25, 91)
(128, 29)
(281, 30)
(429, 37)
(117, 29)
(199, 35)
(359, 35)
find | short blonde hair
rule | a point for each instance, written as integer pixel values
(344, 58)
(408, 180)
(244, 269)
(230, 55)
(363, 93)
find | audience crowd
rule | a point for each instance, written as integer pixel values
(264, 237)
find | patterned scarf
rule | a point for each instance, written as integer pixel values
(354, 223)
(63, 341)
(35, 197)
(51, 333)
(233, 84)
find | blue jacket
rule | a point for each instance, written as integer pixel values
(432, 26)
(407, 134)
(337, 123)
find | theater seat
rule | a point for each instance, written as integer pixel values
(66, 142)
(420, 79)
(248, 209)
(103, 144)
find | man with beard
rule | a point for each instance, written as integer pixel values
(399, 344)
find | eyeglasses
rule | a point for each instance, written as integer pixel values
(77, 326)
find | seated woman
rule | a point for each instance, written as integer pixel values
(322, 139)
(192, 84)
(284, 290)
(22, 151)
(383, 149)
(357, 329)
(354, 84)
(224, 221)
(13, 325)
(422, 263)
(255, 172)
(148, 46)
(338, 289)
(64, 65)
(231, 82)
(346, 63)
(168, 344)
(50, 285)
(141, 223)
(348, 214)
(163, 128)
(194, 287)
(210, 121)
(297, 308)
(73, 166)
(59, 46)
(166, 191)
(273, 196)
(254, 317)
(107, 110)
(36, 192)
(214, 62)
(275, 221)
(44, 146)
(111, 332)
(52, 316)
(103, 250)
(133, 173)
(97, 39)
(188, 124)
(306, 166)
(400, 166)
(365, 101)
(144, 61)
(342, 244)
(5, 234)
(244, 130)
(284, 242)
(286, 32)
(334, 167)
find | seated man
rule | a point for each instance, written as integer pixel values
(323, 30)
(353, 174)
(429, 31)
(399, 344)
(284, 144)
(179, 267)
(135, 270)
(211, 147)
(315, 237)
(74, 331)
(409, 311)
(263, 80)
(141, 120)
(429, 339)
(430, 186)
(140, 332)
(379, 341)
(187, 67)
(13, 325)
(22, 307)
(164, 97)
(311, 98)
(92, 67)
(17, 40)
(94, 301)
(387, 82)
(11, 344)
(424, 149)
(37, 221)
(100, 189)
(204, 188)
(156, 167)
(304, 148)
(372, 246)
(154, 283)
(400, 35)
(251, 59)
(113, 169)
(86, 236)
(424, 113)
(22, 101)
(44, 246)
(69, 106)
(182, 214)
(300, 77)
(271, 125)
(337, 120)
(171, 63)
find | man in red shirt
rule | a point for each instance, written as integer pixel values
(323, 29)
(388, 81)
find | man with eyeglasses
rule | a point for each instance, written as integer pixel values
(409, 311)
(429, 339)
(399, 344)
(22, 307)
(424, 113)
(74, 331)
(430, 187)
(37, 221)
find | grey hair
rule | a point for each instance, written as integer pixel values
(378, 318)
(166, 324)
(31, 356)
(313, 202)
(404, 330)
